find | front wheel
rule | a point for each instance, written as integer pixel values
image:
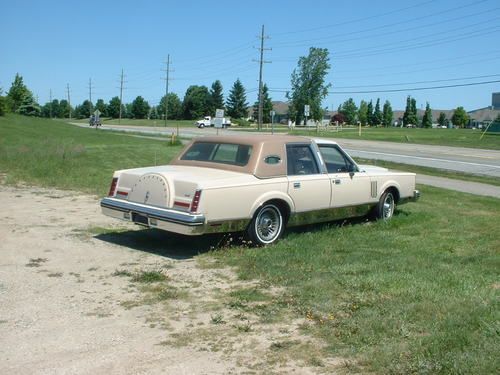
(386, 206)
(266, 226)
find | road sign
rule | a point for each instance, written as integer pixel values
(97, 113)
(218, 122)
(306, 110)
(219, 113)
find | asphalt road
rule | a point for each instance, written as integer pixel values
(460, 159)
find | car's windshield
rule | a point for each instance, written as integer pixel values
(225, 153)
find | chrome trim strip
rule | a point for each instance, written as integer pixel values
(158, 213)
(329, 214)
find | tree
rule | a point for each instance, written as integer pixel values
(387, 114)
(349, 111)
(140, 108)
(267, 106)
(377, 114)
(64, 108)
(369, 113)
(83, 110)
(216, 97)
(236, 104)
(153, 113)
(196, 102)
(3, 104)
(363, 113)
(442, 119)
(114, 107)
(427, 119)
(18, 93)
(338, 118)
(460, 117)
(28, 106)
(308, 84)
(174, 107)
(102, 107)
(410, 115)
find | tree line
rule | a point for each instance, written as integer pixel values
(368, 115)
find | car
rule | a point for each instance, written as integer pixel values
(258, 184)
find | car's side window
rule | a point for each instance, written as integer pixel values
(300, 160)
(334, 159)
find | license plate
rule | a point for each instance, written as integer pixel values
(139, 219)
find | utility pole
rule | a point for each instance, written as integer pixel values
(90, 96)
(69, 100)
(261, 62)
(50, 98)
(167, 80)
(121, 96)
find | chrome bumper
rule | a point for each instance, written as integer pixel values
(154, 217)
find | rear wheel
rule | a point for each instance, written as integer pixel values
(386, 206)
(266, 226)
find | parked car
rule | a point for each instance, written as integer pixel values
(210, 121)
(257, 184)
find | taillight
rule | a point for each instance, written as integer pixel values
(112, 188)
(196, 201)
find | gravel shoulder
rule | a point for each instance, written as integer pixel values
(69, 302)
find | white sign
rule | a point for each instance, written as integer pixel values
(218, 122)
(272, 113)
(97, 113)
(219, 113)
(306, 110)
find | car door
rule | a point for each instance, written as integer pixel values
(350, 187)
(308, 186)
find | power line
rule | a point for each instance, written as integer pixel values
(167, 80)
(400, 90)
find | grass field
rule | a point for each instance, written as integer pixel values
(51, 153)
(441, 137)
(419, 294)
(144, 122)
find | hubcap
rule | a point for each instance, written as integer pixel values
(268, 224)
(388, 208)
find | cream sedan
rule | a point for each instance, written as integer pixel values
(256, 184)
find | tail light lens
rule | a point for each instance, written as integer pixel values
(196, 201)
(112, 188)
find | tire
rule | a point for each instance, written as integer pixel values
(266, 226)
(201, 126)
(384, 210)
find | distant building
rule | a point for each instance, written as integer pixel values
(495, 100)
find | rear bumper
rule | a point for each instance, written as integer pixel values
(154, 217)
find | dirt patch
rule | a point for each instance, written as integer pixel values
(82, 293)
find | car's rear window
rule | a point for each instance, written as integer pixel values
(224, 153)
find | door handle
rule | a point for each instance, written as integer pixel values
(296, 185)
(337, 181)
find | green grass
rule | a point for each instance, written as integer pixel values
(419, 294)
(431, 171)
(441, 137)
(144, 122)
(51, 153)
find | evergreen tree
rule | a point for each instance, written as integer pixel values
(267, 106)
(236, 104)
(427, 119)
(414, 117)
(442, 119)
(196, 102)
(29, 106)
(369, 113)
(387, 114)
(140, 108)
(410, 115)
(363, 113)
(216, 97)
(18, 93)
(377, 114)
(349, 111)
(308, 84)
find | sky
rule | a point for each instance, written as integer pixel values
(377, 49)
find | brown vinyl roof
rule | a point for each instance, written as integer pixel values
(262, 146)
